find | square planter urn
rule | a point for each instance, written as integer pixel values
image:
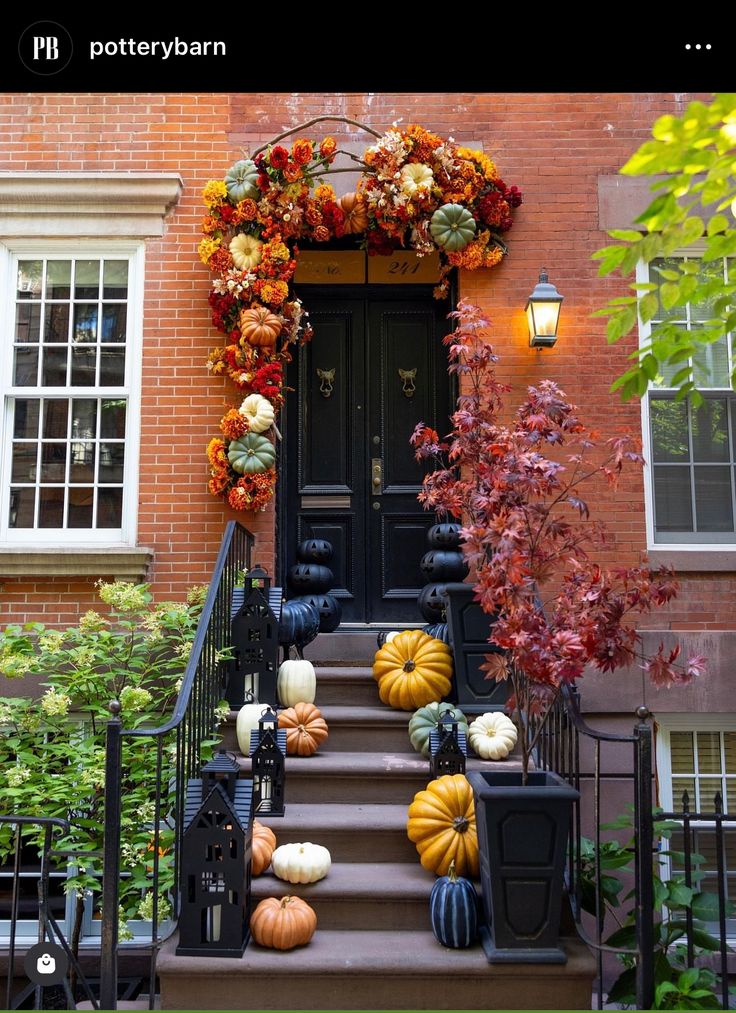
(469, 628)
(522, 837)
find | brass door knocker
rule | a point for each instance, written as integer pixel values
(326, 377)
(407, 381)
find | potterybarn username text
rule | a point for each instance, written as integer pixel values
(163, 50)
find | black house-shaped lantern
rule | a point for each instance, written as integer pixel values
(215, 862)
(254, 632)
(268, 755)
(447, 748)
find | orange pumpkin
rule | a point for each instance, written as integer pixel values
(355, 211)
(283, 923)
(441, 823)
(264, 842)
(260, 326)
(413, 670)
(306, 729)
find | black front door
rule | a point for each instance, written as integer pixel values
(375, 367)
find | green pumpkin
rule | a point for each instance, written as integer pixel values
(425, 720)
(251, 454)
(241, 180)
(452, 227)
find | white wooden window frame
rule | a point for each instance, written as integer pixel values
(716, 541)
(134, 251)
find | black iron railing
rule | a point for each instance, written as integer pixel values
(192, 723)
(49, 929)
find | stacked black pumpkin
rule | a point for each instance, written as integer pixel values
(311, 579)
(443, 563)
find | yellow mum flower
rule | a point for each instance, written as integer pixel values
(215, 193)
(206, 248)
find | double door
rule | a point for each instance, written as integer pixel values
(375, 367)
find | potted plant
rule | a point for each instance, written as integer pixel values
(552, 610)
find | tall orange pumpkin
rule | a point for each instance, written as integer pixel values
(264, 843)
(413, 670)
(260, 326)
(306, 729)
(441, 823)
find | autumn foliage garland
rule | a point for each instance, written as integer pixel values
(527, 534)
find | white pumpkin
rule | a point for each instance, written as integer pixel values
(301, 863)
(259, 412)
(296, 683)
(246, 721)
(492, 736)
(390, 636)
(416, 179)
(246, 252)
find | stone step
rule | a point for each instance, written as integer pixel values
(380, 896)
(344, 648)
(332, 776)
(352, 729)
(343, 969)
(346, 686)
(350, 832)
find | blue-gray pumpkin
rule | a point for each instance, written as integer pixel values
(330, 610)
(439, 631)
(453, 910)
(298, 624)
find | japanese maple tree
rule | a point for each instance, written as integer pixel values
(518, 488)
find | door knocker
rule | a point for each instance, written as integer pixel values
(407, 381)
(326, 377)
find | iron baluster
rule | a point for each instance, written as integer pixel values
(111, 863)
(687, 850)
(722, 895)
(599, 912)
(13, 918)
(644, 831)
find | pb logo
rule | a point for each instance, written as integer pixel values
(45, 47)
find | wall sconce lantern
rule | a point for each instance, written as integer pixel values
(543, 313)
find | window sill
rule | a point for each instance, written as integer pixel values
(121, 562)
(695, 560)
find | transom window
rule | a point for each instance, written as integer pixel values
(692, 451)
(71, 330)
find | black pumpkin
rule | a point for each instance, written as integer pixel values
(440, 631)
(299, 623)
(431, 603)
(330, 610)
(310, 578)
(314, 550)
(453, 910)
(444, 536)
(443, 564)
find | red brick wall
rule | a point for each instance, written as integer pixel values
(553, 146)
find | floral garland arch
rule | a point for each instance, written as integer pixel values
(416, 191)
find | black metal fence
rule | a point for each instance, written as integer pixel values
(178, 745)
(561, 742)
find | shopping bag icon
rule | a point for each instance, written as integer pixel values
(46, 964)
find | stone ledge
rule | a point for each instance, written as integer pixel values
(695, 560)
(120, 562)
(60, 204)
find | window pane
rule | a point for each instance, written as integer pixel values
(25, 421)
(709, 752)
(28, 321)
(670, 264)
(56, 326)
(680, 785)
(84, 361)
(54, 367)
(84, 418)
(22, 505)
(710, 271)
(51, 508)
(681, 751)
(53, 463)
(29, 279)
(709, 788)
(112, 367)
(58, 279)
(731, 797)
(729, 745)
(55, 414)
(110, 508)
(25, 368)
(85, 322)
(112, 420)
(80, 507)
(669, 430)
(87, 279)
(672, 503)
(112, 456)
(114, 322)
(82, 462)
(24, 462)
(710, 431)
(115, 284)
(711, 364)
(713, 505)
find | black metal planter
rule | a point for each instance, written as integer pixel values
(522, 837)
(470, 628)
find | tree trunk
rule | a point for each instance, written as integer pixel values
(76, 936)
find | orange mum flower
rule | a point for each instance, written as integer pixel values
(301, 151)
(292, 172)
(327, 148)
(234, 425)
(274, 292)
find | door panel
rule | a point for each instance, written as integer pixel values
(340, 440)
